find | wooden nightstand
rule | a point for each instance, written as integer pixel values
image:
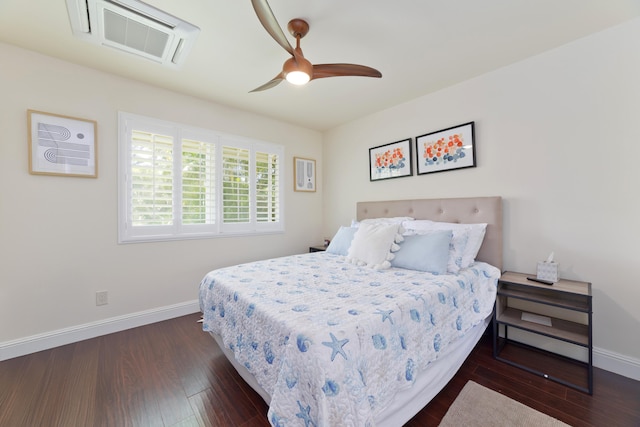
(317, 248)
(567, 299)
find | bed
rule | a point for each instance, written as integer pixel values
(326, 340)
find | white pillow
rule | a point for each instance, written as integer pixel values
(476, 237)
(392, 220)
(465, 243)
(373, 243)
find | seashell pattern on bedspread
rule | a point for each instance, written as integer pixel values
(332, 342)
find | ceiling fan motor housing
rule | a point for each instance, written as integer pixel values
(299, 64)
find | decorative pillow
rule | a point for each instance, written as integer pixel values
(373, 243)
(465, 243)
(424, 252)
(341, 241)
(456, 246)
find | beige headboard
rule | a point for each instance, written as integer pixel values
(468, 210)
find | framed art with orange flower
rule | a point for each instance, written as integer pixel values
(446, 149)
(390, 160)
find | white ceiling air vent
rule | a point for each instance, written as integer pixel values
(134, 27)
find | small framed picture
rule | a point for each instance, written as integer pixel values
(62, 145)
(304, 174)
(390, 160)
(447, 149)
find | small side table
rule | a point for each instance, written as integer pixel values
(317, 248)
(562, 296)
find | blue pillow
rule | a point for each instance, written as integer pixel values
(342, 241)
(424, 252)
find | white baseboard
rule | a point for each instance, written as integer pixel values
(44, 341)
(616, 363)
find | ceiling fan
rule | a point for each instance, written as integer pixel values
(297, 69)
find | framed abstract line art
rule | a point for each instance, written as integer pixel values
(447, 149)
(390, 160)
(62, 145)
(304, 174)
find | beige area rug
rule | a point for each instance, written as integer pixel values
(479, 406)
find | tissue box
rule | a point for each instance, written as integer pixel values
(548, 271)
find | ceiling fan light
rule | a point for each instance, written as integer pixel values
(298, 77)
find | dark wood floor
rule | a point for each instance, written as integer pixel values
(173, 374)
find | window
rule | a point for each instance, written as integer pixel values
(177, 182)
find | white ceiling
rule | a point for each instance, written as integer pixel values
(420, 46)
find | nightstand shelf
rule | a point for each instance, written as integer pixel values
(565, 330)
(563, 297)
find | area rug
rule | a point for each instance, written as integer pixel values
(479, 406)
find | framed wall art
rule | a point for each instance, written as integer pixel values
(390, 160)
(304, 174)
(62, 145)
(447, 149)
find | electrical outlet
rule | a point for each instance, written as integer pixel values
(102, 298)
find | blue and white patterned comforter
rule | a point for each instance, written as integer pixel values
(332, 342)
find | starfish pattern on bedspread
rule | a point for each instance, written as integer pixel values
(336, 346)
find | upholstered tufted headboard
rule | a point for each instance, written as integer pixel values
(461, 210)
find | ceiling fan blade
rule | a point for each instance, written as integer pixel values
(269, 22)
(271, 83)
(336, 70)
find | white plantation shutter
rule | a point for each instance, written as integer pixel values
(198, 182)
(235, 185)
(178, 183)
(151, 179)
(267, 187)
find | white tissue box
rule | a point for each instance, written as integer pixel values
(548, 271)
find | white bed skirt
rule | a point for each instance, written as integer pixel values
(408, 402)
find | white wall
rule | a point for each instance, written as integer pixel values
(558, 138)
(58, 235)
